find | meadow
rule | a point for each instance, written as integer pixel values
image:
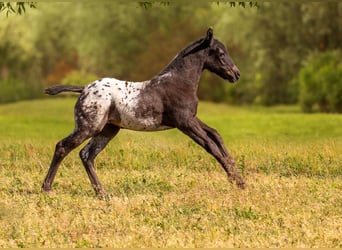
(165, 191)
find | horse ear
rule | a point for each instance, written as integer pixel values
(210, 37)
(204, 43)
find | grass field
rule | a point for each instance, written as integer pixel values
(166, 191)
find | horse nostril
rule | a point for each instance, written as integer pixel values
(236, 71)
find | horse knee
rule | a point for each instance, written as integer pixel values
(69, 143)
(60, 149)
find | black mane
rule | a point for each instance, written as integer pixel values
(190, 49)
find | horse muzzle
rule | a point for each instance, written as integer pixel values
(233, 74)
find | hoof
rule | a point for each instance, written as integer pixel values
(104, 196)
(241, 184)
(238, 180)
(46, 189)
(48, 192)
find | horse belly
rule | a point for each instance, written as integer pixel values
(130, 119)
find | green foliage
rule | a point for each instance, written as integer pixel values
(135, 40)
(271, 43)
(20, 73)
(321, 83)
(16, 89)
(76, 77)
(18, 7)
(149, 4)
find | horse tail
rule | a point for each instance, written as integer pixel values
(54, 90)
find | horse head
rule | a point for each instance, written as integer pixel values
(218, 60)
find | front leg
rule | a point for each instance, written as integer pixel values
(212, 142)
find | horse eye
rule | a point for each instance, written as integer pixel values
(220, 52)
(221, 55)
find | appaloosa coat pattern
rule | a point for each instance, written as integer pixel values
(168, 100)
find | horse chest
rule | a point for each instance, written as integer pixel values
(125, 105)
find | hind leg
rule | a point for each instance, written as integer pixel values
(92, 149)
(89, 121)
(63, 148)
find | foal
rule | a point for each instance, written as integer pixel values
(168, 100)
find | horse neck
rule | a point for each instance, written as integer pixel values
(186, 69)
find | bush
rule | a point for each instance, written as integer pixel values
(321, 83)
(14, 90)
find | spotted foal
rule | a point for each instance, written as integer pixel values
(168, 100)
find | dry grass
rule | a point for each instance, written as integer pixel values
(167, 192)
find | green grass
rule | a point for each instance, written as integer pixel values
(166, 191)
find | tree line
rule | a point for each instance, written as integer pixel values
(76, 43)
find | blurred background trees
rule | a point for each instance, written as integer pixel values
(75, 43)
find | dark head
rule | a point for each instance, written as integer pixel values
(218, 60)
